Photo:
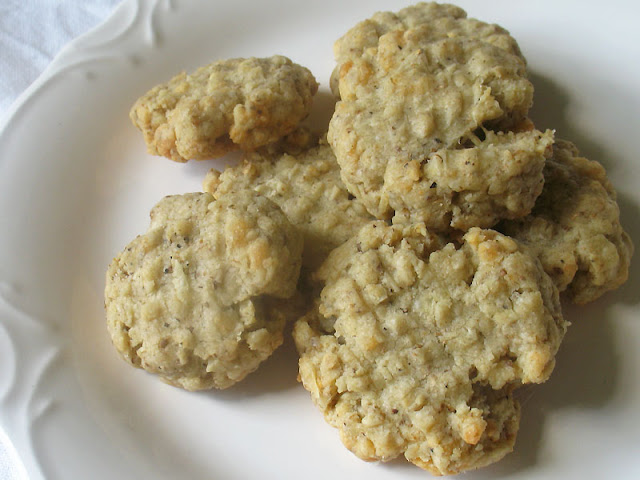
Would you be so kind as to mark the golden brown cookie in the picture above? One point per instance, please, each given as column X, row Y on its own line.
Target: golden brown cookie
column 416, row 344
column 230, row 104
column 308, row 189
column 432, row 126
column 575, row 229
column 444, row 21
column 195, row 299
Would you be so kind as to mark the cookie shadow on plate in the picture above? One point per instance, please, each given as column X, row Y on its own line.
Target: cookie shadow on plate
column 324, row 104
column 550, row 110
column 629, row 213
column 198, row 169
column 586, row 377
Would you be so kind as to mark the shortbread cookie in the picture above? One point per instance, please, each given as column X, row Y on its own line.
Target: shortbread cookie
column 410, row 107
column 575, row 227
column 195, row 299
column 308, row 189
column 498, row 177
column 298, row 141
column 416, row 346
column 229, row 104
column 443, row 20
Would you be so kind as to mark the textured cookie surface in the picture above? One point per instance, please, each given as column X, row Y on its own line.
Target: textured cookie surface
column 444, row 21
column 575, row 227
column 417, row 96
column 229, row 104
column 497, row 177
column 308, row 189
column 195, row 299
column 415, row 346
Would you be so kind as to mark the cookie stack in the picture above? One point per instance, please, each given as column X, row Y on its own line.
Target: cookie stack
column 421, row 245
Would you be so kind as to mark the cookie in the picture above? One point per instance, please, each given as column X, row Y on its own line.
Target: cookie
column 197, row 298
column 498, row 176
column 308, row 189
column 417, row 98
column 224, row 106
column 575, row 229
column 444, row 21
column 416, row 344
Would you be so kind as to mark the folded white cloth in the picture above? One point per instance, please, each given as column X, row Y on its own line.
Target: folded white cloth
column 32, row 32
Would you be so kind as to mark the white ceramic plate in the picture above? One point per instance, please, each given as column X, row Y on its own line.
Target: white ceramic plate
column 76, row 185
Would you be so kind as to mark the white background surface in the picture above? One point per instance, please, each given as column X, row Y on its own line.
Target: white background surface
column 32, row 32
column 99, row 184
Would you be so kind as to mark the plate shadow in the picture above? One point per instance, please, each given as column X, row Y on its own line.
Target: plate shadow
column 585, row 377
column 550, row 106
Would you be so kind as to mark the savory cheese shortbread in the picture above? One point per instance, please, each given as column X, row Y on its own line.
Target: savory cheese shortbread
column 195, row 299
column 308, row 189
column 432, row 126
column 575, row 228
column 416, row 344
column 230, row 104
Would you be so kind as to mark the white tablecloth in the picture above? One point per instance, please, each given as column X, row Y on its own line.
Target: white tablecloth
column 32, row 32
